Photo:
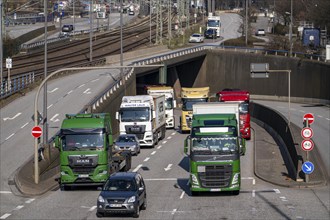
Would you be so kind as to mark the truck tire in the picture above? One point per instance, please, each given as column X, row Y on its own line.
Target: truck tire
column 163, row 132
column 236, row 192
column 128, row 161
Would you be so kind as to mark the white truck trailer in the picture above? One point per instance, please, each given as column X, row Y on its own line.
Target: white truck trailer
column 144, row 116
column 170, row 102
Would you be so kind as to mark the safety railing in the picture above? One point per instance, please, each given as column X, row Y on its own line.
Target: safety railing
column 16, row 84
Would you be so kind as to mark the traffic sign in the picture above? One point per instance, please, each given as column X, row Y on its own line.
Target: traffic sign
column 307, row 133
column 307, row 145
column 36, row 131
column 9, row 63
column 307, row 167
column 309, row 117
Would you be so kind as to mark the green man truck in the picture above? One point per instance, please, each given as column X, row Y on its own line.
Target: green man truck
column 214, row 147
column 86, row 155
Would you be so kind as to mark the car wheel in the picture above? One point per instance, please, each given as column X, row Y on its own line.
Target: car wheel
column 137, row 212
column 144, row 205
column 99, row 214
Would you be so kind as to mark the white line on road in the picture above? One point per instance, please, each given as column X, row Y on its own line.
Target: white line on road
column 164, row 142
column 328, row 119
column 70, row 92
column 168, row 167
column 169, row 137
column 320, row 116
column 25, row 125
column 49, row 106
column 8, row 118
column 87, row 91
column 95, row 80
column 159, row 146
column 283, row 199
column 302, row 111
column 9, row 136
column 29, row 201
column 18, row 207
column 145, row 160
column 91, row 209
column 250, row 178
column 52, row 90
column 81, row 85
column 152, row 153
column 138, row 167
column 173, row 212
column 277, row 191
column 5, row 216
column 53, row 118
column 182, row 194
column 5, row 192
column 253, row 193
column 173, row 133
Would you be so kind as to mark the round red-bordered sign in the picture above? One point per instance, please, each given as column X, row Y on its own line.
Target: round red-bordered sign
column 36, row 131
column 309, row 117
column 307, row 145
column 307, row 133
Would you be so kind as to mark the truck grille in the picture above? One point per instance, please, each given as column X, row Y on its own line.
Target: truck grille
column 83, row 170
column 216, row 176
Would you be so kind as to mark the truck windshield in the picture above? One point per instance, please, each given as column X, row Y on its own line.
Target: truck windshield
column 244, row 108
column 188, row 103
column 213, row 23
column 214, row 145
column 134, row 114
column 82, row 141
column 169, row 104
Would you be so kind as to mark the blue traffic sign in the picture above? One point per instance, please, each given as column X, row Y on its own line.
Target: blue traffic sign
column 307, row 167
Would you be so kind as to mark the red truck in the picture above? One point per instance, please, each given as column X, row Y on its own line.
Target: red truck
column 242, row 96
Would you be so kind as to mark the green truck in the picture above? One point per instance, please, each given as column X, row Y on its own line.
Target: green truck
column 86, row 153
column 214, row 147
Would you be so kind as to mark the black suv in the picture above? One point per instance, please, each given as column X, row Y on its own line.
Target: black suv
column 210, row 33
column 124, row 192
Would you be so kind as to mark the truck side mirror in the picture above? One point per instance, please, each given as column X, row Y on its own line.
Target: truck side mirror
column 242, row 147
column 174, row 103
column 153, row 114
column 186, row 145
column 110, row 140
column 117, row 115
column 57, row 142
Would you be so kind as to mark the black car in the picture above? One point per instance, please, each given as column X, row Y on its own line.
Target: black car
column 210, row 33
column 124, row 192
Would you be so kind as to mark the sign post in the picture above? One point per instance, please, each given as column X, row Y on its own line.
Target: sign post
column 9, row 65
column 307, row 144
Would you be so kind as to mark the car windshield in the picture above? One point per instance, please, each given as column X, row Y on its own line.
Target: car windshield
column 195, row 35
column 125, row 139
column 120, row 185
column 188, row 103
column 82, row 141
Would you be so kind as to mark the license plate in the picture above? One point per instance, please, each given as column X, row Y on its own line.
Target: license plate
column 83, row 175
column 215, row 190
column 115, row 205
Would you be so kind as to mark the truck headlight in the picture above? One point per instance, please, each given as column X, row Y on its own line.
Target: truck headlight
column 235, row 178
column 131, row 200
column 194, row 180
column 100, row 199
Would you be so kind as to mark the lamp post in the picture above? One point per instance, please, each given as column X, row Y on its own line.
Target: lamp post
column 45, row 123
column 246, row 22
column 291, row 18
column 91, row 31
column 1, row 46
column 121, row 40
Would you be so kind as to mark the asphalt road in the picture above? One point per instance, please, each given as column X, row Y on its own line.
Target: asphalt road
column 168, row 194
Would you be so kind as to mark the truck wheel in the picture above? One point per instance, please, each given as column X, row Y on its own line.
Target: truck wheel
column 163, row 133
column 64, row 187
column 194, row 193
column 128, row 162
column 236, row 192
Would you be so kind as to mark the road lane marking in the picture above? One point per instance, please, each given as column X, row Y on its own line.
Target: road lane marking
column 283, row 199
column 52, row 90
column 328, row 119
column 53, row 118
column 302, row 111
column 11, row 118
column 5, row 192
column 173, row 133
column 169, row 137
column 250, row 178
column 174, row 211
column 29, row 201
column 168, row 167
column 153, row 153
column 253, row 193
column 18, row 207
column 91, row 209
column 277, row 191
column 95, row 80
column 159, row 146
column 10, row 136
column 49, row 106
column 87, row 91
column 81, row 85
column 145, row 160
column 164, row 142
column 70, row 92
column 320, row 116
column 138, row 167
column 182, row 194
column 5, row 216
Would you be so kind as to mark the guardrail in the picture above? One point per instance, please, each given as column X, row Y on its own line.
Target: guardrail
column 16, row 84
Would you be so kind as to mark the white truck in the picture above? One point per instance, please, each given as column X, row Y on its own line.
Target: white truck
column 144, row 116
column 170, row 102
column 214, row 22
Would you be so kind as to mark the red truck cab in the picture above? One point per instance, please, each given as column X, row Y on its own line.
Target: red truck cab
column 242, row 96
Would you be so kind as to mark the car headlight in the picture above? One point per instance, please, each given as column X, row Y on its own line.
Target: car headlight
column 235, row 178
column 132, row 199
column 100, row 199
column 116, row 147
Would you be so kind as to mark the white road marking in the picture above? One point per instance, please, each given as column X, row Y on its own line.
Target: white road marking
column 11, row 118
column 173, row 133
column 152, row 153
column 164, row 142
column 10, row 136
column 302, row 111
column 49, row 106
column 277, row 191
column 81, row 85
column 169, row 137
column 328, row 119
column 18, row 207
column 87, row 91
column 320, row 116
column 52, row 90
column 138, row 167
column 173, row 212
column 253, row 193
column 29, row 201
column 5, row 192
column 145, row 160
column 182, row 194
column 168, row 167
column 95, row 80
column 162, row 179
column 250, row 178
column 53, row 118
column 5, row 216
column 70, row 92
column 159, row 146
column 91, row 209
column 283, row 199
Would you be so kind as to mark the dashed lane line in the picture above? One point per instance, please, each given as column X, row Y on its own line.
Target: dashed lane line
column 5, row 216
column 138, row 167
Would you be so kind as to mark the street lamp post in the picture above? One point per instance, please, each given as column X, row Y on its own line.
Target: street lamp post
column 1, row 46
column 91, row 31
column 291, row 18
column 121, row 40
column 45, row 123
